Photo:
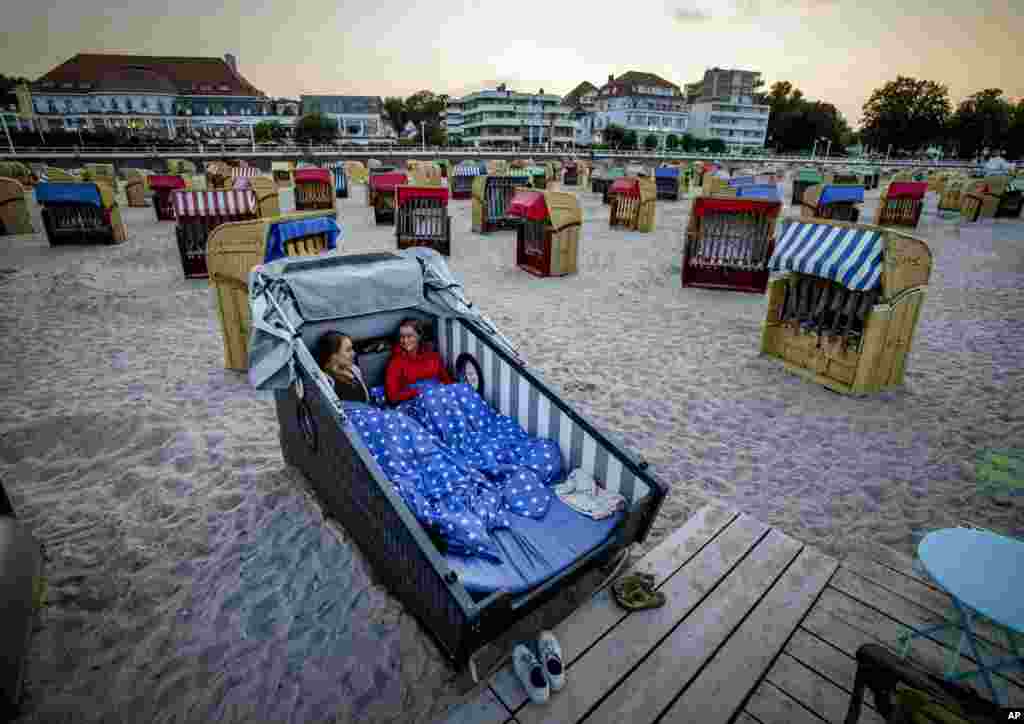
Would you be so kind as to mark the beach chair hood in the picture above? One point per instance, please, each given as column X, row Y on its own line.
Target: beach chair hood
column 387, row 181
column 906, row 190
column 313, row 175
column 288, row 293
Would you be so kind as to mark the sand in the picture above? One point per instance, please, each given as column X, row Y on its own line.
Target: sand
column 192, row 578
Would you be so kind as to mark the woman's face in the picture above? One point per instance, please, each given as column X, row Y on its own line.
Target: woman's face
column 343, row 358
column 408, row 338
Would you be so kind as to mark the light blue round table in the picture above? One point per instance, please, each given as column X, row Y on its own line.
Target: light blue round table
column 984, row 574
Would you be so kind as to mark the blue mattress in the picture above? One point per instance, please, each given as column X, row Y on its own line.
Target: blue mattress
column 65, row 192
column 834, row 194
column 563, row 536
column 281, row 234
column 758, row 191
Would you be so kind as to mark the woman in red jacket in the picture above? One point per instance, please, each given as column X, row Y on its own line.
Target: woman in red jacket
column 412, row 361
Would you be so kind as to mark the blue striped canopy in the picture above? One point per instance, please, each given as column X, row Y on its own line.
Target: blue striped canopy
column 467, row 171
column 850, row 256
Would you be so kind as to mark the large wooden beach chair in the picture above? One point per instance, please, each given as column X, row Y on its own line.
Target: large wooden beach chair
column 632, row 202
column 461, row 180
column 668, row 183
column 14, row 215
column 314, row 189
column 135, row 187
column 164, row 186
column 537, row 175
column 282, row 173
column 823, row 201
column 571, row 174
column 492, row 196
column 83, row 212
column 901, row 204
column 234, row 248
column 421, row 218
column 471, row 607
column 803, row 179
column 340, row 179
column 356, row 172
column 949, row 199
column 729, row 241
column 198, row 213
column 610, row 176
column 846, row 312
column 380, row 194
column 18, row 171
column 548, row 235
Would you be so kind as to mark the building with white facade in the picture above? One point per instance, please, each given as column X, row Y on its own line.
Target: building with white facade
column 641, row 102
column 722, row 106
column 451, row 119
column 359, row 118
column 504, row 118
column 160, row 96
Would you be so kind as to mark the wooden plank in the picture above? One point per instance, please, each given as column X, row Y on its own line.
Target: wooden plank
column 613, row 657
column 856, row 623
column 815, row 691
column 771, row 705
column 910, row 612
column 654, row 682
column 718, row 692
column 888, row 557
column 835, row 665
column 934, row 600
column 600, row 614
column 482, row 708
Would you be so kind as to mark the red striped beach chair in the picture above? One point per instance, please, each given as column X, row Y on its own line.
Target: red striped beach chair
column 200, row 212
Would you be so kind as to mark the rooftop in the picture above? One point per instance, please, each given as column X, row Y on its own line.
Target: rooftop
column 102, row 72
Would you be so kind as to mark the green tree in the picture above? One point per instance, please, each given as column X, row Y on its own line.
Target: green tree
column 629, row 140
column 269, row 131
column 715, row 145
column 651, row 142
column 906, row 113
column 8, row 86
column 316, row 128
column 394, row 113
column 687, row 143
column 671, row 142
column 982, row 120
column 1015, row 136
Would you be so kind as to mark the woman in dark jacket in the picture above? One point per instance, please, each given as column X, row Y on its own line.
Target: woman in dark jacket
column 336, row 356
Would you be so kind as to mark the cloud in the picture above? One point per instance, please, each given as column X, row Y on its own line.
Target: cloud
column 689, row 15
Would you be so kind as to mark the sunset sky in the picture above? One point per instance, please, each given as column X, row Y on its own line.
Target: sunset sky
column 832, row 50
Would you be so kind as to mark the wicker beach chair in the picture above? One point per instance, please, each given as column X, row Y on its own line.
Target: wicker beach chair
column 18, row 171
column 136, row 185
column 198, row 213
column 832, row 202
column 901, row 204
column 729, row 241
column 83, row 212
column 314, row 189
column 633, row 203
column 421, row 218
column 803, row 180
column 491, row 198
column 846, row 312
column 234, row 248
column 380, row 195
column 14, row 215
column 461, row 180
column 282, row 173
column 163, row 188
column 668, row 181
column 548, row 235
column 571, row 174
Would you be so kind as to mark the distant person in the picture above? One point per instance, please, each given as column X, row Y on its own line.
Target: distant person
column 412, row 361
column 336, row 356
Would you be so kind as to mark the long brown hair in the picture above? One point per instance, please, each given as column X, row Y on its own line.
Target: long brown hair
column 328, row 344
column 421, row 329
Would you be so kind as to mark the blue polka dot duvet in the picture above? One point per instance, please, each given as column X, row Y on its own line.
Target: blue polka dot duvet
column 462, row 468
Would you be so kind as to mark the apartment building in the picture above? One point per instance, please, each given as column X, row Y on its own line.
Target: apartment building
column 451, row 119
column 359, row 118
column 504, row 118
column 722, row 106
column 642, row 102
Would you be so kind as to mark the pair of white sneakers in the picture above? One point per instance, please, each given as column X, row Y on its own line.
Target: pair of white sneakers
column 542, row 672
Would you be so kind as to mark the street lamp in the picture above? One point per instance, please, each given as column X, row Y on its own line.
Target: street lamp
column 423, row 136
column 814, row 148
column 828, row 147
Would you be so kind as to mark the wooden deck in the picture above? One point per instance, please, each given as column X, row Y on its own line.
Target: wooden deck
column 758, row 629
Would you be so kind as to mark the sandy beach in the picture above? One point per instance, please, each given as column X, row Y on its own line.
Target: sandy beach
column 191, row 576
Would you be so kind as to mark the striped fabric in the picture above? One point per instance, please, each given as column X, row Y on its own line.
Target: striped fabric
column 245, row 172
column 510, row 393
column 467, row 171
column 214, row 203
column 847, row 255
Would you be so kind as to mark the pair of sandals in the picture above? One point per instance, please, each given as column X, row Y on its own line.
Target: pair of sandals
column 635, row 592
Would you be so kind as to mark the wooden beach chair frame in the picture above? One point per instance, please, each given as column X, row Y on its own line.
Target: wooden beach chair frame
column 549, row 246
column 67, row 222
column 198, row 214
column 14, row 214
column 633, row 209
column 421, row 218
